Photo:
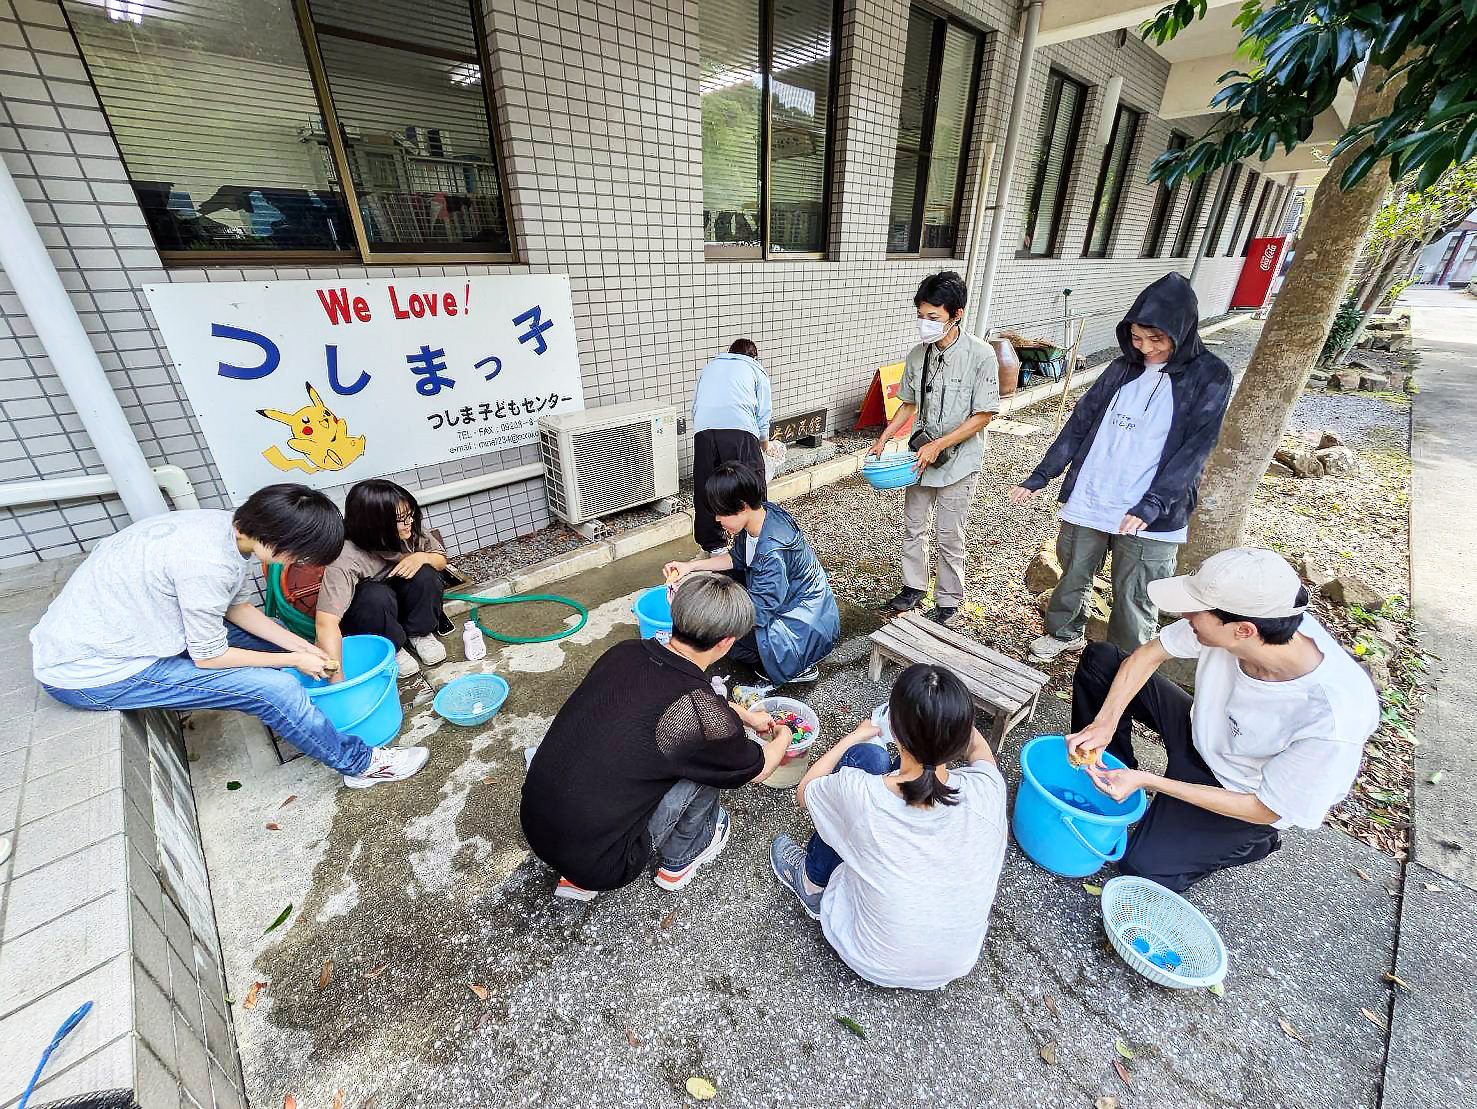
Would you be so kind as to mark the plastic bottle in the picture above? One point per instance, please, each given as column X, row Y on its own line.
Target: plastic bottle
column 472, row 641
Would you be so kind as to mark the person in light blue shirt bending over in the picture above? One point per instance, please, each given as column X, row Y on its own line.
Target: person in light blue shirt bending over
column 730, row 423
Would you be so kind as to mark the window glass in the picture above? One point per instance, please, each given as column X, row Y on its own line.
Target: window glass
column 1163, row 205
column 214, row 111
column 419, row 149
column 951, row 121
column 1242, row 209
column 1105, row 203
column 912, row 116
column 730, row 79
column 1191, row 217
column 799, row 108
column 1061, row 121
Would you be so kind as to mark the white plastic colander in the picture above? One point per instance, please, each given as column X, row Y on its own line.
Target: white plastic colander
column 1167, row 927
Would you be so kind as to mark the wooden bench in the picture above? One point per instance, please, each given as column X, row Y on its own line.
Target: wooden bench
column 1005, row 690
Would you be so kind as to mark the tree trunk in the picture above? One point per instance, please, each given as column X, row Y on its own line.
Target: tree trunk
column 1395, row 268
column 1291, row 339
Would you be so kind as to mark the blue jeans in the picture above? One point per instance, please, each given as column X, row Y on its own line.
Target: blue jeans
column 682, row 825
column 820, row 859
column 278, row 699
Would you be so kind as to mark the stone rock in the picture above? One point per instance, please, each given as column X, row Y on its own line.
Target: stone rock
column 1346, row 589
column 1387, row 632
column 1336, row 461
column 1329, row 439
column 1344, row 381
column 1374, row 383
column 1301, row 460
column 1317, row 380
column 1097, row 617
column 1312, row 573
column 1400, row 383
column 1378, row 669
column 1044, row 571
column 1277, row 469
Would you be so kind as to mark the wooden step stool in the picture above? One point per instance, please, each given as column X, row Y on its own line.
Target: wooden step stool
column 1005, row 690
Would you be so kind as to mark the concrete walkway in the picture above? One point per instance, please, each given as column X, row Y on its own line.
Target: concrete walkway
column 1435, row 1025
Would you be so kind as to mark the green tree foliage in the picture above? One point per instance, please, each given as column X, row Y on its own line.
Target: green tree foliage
column 1300, row 52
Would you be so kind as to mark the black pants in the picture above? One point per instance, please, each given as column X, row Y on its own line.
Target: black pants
column 1176, row 844
column 710, row 449
column 396, row 608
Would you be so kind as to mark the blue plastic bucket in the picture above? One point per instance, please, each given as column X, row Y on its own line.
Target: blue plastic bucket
column 360, row 700
column 654, row 613
column 1061, row 821
column 382, row 723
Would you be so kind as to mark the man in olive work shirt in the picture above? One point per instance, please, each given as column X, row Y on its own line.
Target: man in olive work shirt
column 952, row 382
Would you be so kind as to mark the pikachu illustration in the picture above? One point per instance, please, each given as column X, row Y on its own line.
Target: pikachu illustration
column 318, row 435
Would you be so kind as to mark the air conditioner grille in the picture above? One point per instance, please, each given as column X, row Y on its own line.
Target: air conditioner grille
column 614, row 467
column 549, row 451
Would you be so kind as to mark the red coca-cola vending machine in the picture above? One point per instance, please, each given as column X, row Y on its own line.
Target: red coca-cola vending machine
column 1262, row 258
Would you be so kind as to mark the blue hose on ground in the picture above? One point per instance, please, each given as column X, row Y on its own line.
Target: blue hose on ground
column 61, row 1034
column 584, row 615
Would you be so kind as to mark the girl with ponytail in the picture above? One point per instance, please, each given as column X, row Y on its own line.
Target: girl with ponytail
column 906, row 856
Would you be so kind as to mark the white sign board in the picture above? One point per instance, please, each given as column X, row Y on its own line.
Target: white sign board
column 331, row 382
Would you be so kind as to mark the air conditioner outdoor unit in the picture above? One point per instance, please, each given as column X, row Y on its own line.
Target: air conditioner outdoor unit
column 605, row 460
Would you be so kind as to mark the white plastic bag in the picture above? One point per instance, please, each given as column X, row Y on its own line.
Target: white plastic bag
column 774, row 457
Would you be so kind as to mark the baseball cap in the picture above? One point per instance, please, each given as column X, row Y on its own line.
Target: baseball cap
column 1246, row 581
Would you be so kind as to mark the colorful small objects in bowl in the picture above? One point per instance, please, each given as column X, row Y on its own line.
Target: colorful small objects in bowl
column 800, row 731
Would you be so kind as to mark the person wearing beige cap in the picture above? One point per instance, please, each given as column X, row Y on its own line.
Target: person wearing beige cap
column 1273, row 738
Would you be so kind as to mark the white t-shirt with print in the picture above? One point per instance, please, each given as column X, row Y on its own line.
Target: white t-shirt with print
column 910, row 902
column 1296, row 745
column 1124, row 456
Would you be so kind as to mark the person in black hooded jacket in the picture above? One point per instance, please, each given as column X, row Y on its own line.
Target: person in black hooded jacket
column 1133, row 451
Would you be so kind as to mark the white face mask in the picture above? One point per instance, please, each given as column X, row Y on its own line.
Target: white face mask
column 931, row 331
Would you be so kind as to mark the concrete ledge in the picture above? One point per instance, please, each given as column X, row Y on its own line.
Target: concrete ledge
column 104, row 898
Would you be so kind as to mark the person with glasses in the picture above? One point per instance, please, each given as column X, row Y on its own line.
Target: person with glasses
column 387, row 581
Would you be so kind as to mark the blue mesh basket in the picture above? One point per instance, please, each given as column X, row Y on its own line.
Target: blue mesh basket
column 472, row 700
column 1161, row 935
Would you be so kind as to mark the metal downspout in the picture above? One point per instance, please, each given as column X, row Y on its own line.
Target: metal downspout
column 1007, row 165
column 24, row 257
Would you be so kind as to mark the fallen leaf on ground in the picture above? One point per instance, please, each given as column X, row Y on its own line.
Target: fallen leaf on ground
column 1088, row 887
column 273, row 828
column 1105, row 1102
column 1122, row 1073
column 701, row 1089
column 851, row 1026
column 338, row 1100
column 480, row 991
column 377, row 971
column 1401, row 982
column 1432, row 887
column 1050, row 1003
column 233, row 785
column 489, row 781
column 1291, row 1032
column 1048, row 1052
column 1376, row 1020
column 1363, row 875
column 1436, row 777
column 1219, row 989
column 253, row 995
column 283, row 915
column 1063, row 695
column 289, row 801
column 486, row 1018
column 631, row 1038
column 1122, row 1049
column 669, row 918
column 289, row 1102
column 326, row 974
column 193, row 756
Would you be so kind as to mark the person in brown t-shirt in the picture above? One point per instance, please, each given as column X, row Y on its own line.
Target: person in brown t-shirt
column 387, row 581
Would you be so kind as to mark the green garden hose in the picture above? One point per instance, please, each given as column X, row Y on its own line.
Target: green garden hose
column 517, row 640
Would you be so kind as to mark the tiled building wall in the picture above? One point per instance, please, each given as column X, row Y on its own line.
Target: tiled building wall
column 600, row 121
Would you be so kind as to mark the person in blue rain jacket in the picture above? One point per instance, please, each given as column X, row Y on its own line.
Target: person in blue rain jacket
column 796, row 620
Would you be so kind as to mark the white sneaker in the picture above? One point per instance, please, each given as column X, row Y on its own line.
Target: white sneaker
column 674, row 880
column 389, row 764
column 1048, row 647
column 428, row 648
column 407, row 664
column 809, row 676
column 568, row 891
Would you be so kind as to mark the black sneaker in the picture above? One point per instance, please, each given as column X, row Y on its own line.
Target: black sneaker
column 906, row 600
column 948, row 617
